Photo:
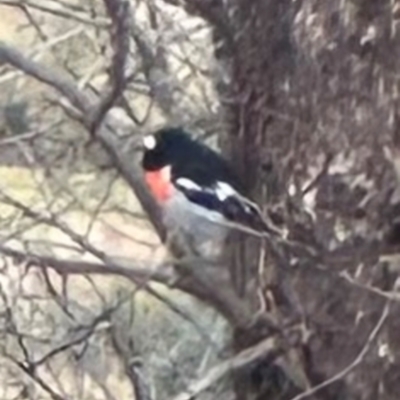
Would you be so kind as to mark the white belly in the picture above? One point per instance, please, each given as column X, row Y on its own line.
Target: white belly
column 204, row 229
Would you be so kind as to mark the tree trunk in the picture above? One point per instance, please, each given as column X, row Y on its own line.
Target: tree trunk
column 310, row 104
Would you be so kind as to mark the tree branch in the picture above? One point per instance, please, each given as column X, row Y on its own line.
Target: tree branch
column 268, row 348
column 86, row 106
column 357, row 361
column 161, row 273
column 61, row 12
column 119, row 12
column 62, row 84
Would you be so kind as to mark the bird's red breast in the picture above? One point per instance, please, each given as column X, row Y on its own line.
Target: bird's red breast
column 159, row 183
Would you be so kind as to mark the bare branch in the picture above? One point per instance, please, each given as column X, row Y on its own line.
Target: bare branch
column 268, row 348
column 88, row 330
column 31, row 373
column 357, row 361
column 208, row 284
column 26, row 366
column 44, row 74
column 133, row 365
column 211, row 11
column 388, row 295
column 107, row 139
column 119, row 12
column 142, row 388
column 135, row 273
column 178, row 310
column 61, row 12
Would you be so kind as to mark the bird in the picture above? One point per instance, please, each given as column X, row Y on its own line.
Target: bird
column 198, row 191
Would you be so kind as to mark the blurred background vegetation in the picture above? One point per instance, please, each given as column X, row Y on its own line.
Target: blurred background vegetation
column 48, row 163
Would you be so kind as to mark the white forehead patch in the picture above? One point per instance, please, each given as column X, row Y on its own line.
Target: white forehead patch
column 149, row 142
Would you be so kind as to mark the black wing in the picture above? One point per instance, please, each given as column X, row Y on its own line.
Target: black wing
column 222, row 198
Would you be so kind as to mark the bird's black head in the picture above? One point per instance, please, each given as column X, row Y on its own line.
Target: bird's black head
column 187, row 157
column 164, row 147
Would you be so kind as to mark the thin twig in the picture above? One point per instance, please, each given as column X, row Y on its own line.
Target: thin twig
column 119, row 12
column 134, row 271
column 106, row 137
column 268, row 348
column 392, row 295
column 319, row 176
column 59, row 12
column 357, row 361
column 133, row 365
column 31, row 373
column 44, row 74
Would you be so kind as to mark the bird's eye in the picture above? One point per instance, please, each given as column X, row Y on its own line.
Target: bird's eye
column 149, row 142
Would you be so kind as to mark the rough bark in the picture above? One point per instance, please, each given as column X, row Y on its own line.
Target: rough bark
column 311, row 107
